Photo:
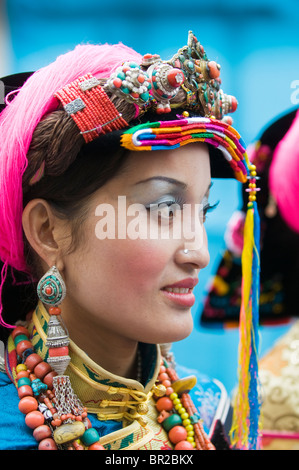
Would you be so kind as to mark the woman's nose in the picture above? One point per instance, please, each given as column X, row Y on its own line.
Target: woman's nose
column 194, row 243
column 198, row 256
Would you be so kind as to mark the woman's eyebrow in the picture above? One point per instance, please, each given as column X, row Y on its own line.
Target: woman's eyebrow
column 172, row 181
column 165, row 179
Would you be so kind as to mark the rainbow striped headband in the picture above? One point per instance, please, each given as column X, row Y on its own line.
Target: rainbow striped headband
column 167, row 135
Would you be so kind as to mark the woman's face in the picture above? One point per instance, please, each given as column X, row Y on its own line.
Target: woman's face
column 119, row 278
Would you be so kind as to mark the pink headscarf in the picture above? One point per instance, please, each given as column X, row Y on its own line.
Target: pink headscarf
column 17, row 124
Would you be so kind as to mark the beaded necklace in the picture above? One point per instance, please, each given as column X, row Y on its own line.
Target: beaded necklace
column 178, row 414
column 55, row 430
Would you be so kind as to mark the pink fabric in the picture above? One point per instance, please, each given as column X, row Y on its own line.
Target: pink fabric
column 284, row 176
column 18, row 121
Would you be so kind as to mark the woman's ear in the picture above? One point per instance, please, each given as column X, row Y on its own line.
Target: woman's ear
column 42, row 230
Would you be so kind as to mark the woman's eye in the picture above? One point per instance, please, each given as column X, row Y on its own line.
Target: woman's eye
column 166, row 209
column 169, row 209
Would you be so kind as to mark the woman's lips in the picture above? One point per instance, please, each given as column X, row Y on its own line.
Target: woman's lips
column 181, row 292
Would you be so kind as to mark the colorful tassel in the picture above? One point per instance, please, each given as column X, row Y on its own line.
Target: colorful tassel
column 245, row 426
column 254, row 403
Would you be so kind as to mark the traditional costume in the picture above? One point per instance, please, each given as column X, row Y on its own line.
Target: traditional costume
column 65, row 400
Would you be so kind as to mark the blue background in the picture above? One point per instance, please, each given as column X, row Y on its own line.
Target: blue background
column 257, row 45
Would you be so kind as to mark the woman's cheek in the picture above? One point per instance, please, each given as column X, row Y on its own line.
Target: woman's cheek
column 143, row 261
column 130, row 262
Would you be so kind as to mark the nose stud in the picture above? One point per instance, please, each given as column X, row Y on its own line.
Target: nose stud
column 186, row 251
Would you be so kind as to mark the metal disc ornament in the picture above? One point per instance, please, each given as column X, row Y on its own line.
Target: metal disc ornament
column 51, row 288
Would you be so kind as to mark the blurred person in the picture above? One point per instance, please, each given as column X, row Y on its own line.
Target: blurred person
column 279, row 239
column 276, row 157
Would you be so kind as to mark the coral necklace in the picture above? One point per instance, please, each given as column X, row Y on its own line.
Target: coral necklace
column 178, row 414
column 57, row 428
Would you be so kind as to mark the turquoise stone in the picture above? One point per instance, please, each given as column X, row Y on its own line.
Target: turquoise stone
column 125, row 90
column 24, row 381
column 144, row 96
column 121, row 75
column 171, row 421
column 20, row 338
column 91, row 436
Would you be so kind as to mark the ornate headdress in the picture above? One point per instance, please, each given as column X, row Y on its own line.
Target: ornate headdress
column 149, row 104
column 156, row 83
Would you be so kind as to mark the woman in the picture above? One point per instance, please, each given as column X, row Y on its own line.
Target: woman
column 77, row 165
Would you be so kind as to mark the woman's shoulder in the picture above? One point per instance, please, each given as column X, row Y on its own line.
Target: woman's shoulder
column 14, row 434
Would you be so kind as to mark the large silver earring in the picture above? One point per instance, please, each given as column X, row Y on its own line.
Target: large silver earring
column 51, row 291
column 51, row 288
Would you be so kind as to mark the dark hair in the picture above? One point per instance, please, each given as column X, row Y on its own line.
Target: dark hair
column 71, row 177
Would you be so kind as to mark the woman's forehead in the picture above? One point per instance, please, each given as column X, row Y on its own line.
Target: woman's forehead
column 190, row 158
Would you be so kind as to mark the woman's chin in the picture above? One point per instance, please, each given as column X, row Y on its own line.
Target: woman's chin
column 173, row 335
